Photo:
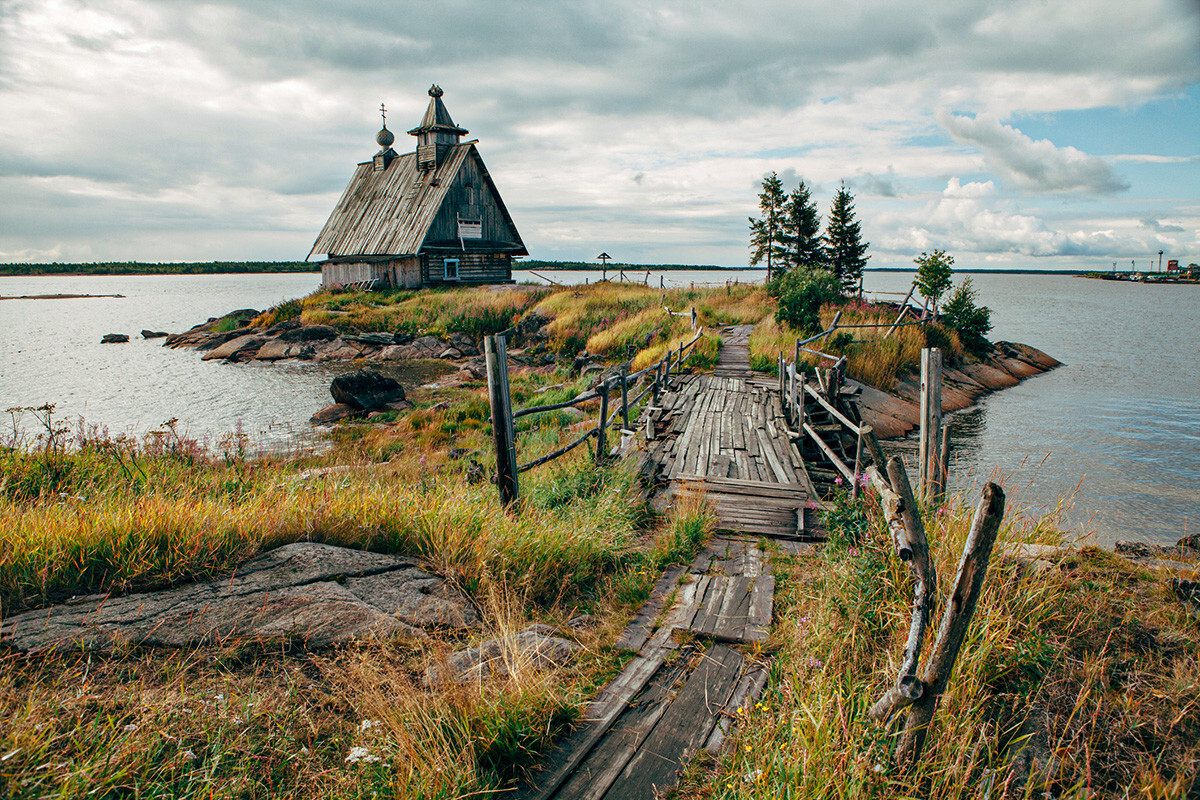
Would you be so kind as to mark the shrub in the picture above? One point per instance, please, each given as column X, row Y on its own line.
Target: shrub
column 972, row 322
column 801, row 293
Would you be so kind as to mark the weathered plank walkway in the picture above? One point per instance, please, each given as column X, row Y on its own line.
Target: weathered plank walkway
column 672, row 698
column 723, row 436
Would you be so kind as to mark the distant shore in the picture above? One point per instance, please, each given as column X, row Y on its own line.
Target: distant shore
column 269, row 267
column 156, row 268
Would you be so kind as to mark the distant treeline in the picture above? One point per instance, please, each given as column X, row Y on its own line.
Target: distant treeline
column 158, row 268
column 534, row 264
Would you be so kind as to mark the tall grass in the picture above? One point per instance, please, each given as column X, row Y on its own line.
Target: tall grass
column 471, row 310
column 1060, row 660
column 871, row 358
column 263, row 719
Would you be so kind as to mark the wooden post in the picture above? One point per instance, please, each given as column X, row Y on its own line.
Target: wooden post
column 801, row 417
column 797, row 397
column 601, row 449
column 693, row 318
column 873, row 447
column 779, row 366
column 941, row 466
column 797, row 354
column 657, row 384
column 625, row 397
column 972, row 569
column 496, row 357
column 858, row 454
column 931, row 419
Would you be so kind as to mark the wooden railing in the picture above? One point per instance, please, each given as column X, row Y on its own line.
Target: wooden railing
column 500, row 400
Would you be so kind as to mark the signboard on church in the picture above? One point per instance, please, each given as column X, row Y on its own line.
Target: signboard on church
column 470, row 229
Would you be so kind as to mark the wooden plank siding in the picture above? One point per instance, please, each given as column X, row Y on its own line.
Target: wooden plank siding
column 472, row 267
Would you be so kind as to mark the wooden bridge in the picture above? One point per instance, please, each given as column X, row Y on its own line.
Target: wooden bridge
column 748, row 442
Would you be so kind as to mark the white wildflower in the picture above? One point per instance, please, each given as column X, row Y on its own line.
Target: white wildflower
column 130, row 728
column 360, row 754
column 877, row 768
column 751, row 777
column 188, row 755
column 367, row 724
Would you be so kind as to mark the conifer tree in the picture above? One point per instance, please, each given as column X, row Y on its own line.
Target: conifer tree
column 766, row 233
column 802, row 229
column 845, row 250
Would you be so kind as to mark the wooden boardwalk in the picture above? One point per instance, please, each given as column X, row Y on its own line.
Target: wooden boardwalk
column 672, row 698
column 723, row 436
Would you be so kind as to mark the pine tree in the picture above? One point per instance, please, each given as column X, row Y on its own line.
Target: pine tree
column 845, row 250
column 766, row 234
column 802, row 229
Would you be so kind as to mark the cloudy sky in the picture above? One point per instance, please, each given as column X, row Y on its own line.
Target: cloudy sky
column 1027, row 133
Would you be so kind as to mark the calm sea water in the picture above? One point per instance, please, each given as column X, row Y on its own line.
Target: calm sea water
column 1117, row 428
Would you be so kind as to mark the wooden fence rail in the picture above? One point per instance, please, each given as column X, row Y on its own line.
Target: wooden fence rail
column 500, row 401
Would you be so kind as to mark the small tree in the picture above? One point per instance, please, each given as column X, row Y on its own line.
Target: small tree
column 801, row 293
column 933, row 275
column 766, row 234
column 802, row 229
column 845, row 250
column 971, row 321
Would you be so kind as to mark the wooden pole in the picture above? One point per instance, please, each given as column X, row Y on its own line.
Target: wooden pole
column 903, row 311
column 858, row 454
column 931, row 419
column 797, row 396
column 693, row 318
column 943, row 466
column 908, row 537
column 500, row 400
column 625, row 397
column 873, row 447
column 801, row 416
column 601, row 450
column 657, row 384
column 972, row 569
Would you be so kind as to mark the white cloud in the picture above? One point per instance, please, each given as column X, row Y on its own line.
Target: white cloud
column 135, row 129
column 1038, row 166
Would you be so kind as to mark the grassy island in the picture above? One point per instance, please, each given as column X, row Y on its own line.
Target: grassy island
column 1090, row 660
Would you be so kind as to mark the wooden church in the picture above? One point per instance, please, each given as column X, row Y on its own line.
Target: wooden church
column 429, row 216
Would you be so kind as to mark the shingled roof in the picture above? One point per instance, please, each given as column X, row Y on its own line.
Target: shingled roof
column 389, row 211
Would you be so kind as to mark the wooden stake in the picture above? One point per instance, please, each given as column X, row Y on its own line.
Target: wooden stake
column 972, row 569
column 625, row 397
column 601, row 450
column 931, row 419
column 873, row 447
column 500, row 400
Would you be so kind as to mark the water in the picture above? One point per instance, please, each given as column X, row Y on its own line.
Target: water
column 1120, row 423
column 50, row 352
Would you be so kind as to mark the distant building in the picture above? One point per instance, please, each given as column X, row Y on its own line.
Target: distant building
column 429, row 216
column 1173, row 265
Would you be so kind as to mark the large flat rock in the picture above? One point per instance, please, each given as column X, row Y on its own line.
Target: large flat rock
column 316, row 593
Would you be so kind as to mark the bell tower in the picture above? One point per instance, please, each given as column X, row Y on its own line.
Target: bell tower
column 437, row 132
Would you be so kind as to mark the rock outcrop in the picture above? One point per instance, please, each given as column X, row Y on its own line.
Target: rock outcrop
column 228, row 338
column 115, row 338
column 316, row 594
column 893, row 415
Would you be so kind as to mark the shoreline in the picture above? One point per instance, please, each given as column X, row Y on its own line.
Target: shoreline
column 895, row 414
